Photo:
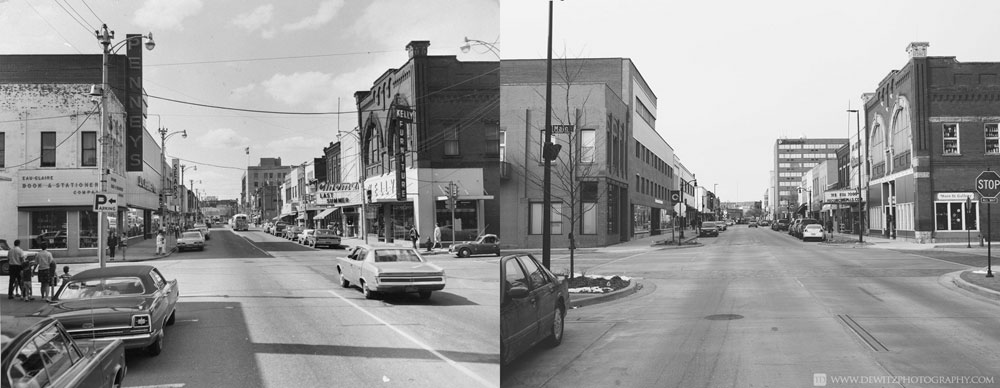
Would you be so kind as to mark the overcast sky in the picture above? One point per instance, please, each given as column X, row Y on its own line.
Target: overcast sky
column 352, row 43
column 730, row 76
column 733, row 76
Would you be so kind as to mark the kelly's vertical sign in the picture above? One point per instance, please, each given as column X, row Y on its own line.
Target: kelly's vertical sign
column 135, row 105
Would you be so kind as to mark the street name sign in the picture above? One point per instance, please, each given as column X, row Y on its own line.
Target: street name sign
column 562, row 129
column 988, row 200
column 988, row 184
column 105, row 203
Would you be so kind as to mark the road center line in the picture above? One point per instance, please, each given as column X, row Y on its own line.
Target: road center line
column 449, row 361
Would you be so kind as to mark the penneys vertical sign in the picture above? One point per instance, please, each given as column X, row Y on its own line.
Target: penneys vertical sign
column 135, row 104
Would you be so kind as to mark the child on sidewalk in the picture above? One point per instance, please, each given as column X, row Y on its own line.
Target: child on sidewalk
column 26, row 270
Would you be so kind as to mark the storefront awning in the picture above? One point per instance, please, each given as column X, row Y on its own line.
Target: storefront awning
column 802, row 208
column 834, row 206
column 325, row 213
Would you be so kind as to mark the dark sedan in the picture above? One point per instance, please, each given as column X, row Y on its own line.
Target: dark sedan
column 486, row 244
column 708, row 228
column 37, row 352
column 533, row 305
column 133, row 303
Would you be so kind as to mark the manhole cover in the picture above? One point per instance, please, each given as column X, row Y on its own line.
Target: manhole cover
column 723, row 317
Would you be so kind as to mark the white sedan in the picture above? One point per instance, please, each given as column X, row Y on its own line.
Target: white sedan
column 814, row 231
column 389, row 270
column 191, row 239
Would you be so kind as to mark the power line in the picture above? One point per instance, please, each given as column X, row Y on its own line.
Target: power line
column 87, row 117
column 85, row 28
column 75, row 12
column 38, row 118
column 92, row 11
column 53, row 28
column 247, row 110
column 272, row 58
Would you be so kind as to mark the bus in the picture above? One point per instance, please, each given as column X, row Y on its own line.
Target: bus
column 240, row 222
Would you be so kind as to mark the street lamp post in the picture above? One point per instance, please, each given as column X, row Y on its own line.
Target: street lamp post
column 547, row 176
column 163, row 171
column 475, row 42
column 861, row 214
column 104, row 37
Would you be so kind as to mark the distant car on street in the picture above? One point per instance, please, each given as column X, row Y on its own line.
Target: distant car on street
column 323, row 237
column 292, row 232
column 752, row 224
column 38, row 352
column 133, row 303
column 204, row 230
column 389, row 270
column 533, row 306
column 191, row 239
column 813, row 231
column 485, row 244
column 708, row 229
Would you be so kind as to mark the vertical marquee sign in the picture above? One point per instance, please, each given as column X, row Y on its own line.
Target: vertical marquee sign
column 135, row 108
column 401, row 115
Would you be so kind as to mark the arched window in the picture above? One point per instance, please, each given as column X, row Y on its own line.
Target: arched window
column 899, row 139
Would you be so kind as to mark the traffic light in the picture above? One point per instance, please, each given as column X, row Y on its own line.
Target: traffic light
column 551, row 151
column 369, row 194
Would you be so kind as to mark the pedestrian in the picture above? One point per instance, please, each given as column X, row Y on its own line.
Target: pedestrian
column 27, row 267
column 437, row 235
column 65, row 276
column 414, row 235
column 15, row 258
column 45, row 274
column 112, row 243
column 161, row 243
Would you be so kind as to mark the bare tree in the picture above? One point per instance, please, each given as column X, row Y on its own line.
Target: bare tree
column 569, row 173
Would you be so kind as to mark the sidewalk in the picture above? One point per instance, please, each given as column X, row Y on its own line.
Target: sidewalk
column 138, row 250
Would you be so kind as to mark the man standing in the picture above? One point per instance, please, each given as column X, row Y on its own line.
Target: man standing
column 45, row 274
column 437, row 235
column 15, row 258
column 112, row 243
column 414, row 235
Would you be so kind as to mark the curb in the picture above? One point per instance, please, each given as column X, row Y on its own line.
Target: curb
column 632, row 288
column 978, row 290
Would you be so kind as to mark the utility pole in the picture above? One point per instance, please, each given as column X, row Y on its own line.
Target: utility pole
column 547, row 180
column 452, row 203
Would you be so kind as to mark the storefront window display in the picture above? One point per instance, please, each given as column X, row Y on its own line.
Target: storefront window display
column 48, row 227
column 466, row 220
column 640, row 219
column 402, row 216
column 666, row 221
column 88, row 229
column 950, row 216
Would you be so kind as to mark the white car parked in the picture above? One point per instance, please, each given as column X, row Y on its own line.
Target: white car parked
column 814, row 231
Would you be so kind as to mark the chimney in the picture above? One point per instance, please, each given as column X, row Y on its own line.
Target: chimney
column 418, row 48
column 917, row 49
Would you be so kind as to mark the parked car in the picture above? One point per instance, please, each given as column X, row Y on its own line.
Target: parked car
column 485, row 244
column 303, row 234
column 292, row 232
column 813, row 231
column 56, row 239
column 323, row 237
column 4, row 267
column 764, row 223
column 389, row 270
column 204, row 230
column 533, row 305
column 133, row 303
column 802, row 223
column 781, row 224
column 38, row 352
column 708, row 228
column 752, row 224
column 191, row 239
column 278, row 229
column 793, row 225
column 721, row 225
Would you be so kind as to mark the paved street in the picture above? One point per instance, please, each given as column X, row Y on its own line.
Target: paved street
column 274, row 311
column 755, row 307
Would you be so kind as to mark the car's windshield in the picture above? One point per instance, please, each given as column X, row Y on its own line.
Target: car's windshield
column 100, row 288
column 191, row 235
column 708, row 224
column 391, row 255
column 3, row 245
column 324, row 232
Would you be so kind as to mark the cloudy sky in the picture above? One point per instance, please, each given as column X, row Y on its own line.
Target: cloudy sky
column 732, row 76
column 224, row 53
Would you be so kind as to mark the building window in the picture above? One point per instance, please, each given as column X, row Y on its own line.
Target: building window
column 589, row 210
column 503, row 145
column 643, row 112
column 640, row 219
column 88, row 152
column 951, row 139
column 955, row 216
column 536, row 217
column 88, row 229
column 256, row 184
column 992, row 139
column 451, row 143
column 48, row 149
column 3, row 149
column 588, row 140
column 48, row 227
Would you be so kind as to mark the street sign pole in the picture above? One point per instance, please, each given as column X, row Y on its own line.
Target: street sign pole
column 968, row 234
column 988, row 186
column 989, row 242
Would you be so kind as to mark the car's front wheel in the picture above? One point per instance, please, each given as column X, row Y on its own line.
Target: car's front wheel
column 155, row 348
column 556, row 334
column 344, row 282
column 464, row 252
column 172, row 319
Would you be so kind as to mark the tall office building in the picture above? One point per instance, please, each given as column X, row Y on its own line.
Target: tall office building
column 792, row 159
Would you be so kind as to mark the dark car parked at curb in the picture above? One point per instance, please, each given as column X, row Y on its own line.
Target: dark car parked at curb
column 708, row 228
column 134, row 303
column 38, row 352
column 533, row 305
column 488, row 244
column 780, row 225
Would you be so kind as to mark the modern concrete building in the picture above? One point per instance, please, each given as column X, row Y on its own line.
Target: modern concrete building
column 792, row 159
column 265, row 179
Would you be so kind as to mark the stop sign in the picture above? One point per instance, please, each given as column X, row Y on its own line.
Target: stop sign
column 988, row 184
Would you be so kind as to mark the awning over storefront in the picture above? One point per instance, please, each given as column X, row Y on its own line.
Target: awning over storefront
column 325, row 213
column 835, row 206
column 802, row 208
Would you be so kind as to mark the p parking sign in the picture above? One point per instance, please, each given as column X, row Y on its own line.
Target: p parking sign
column 105, row 203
